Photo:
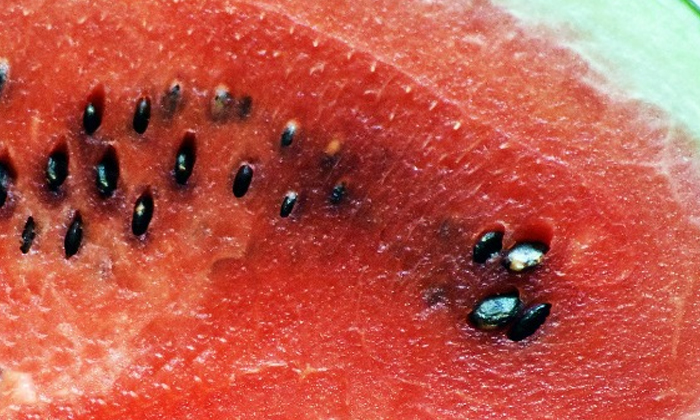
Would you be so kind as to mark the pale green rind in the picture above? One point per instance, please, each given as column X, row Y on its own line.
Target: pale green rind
column 694, row 5
column 650, row 49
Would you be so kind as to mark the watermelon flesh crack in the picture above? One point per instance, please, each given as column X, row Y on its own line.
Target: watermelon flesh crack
column 443, row 121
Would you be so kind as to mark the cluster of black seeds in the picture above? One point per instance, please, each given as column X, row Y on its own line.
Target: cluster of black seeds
column 493, row 312
column 507, row 309
column 223, row 105
column 522, row 256
column 500, row 310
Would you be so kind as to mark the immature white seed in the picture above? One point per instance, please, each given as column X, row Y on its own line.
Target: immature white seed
column 524, row 256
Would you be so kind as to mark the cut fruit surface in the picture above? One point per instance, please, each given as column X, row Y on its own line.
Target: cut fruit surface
column 194, row 289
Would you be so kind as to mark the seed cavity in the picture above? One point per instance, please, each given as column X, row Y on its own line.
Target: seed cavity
column 529, row 322
column 242, row 181
column 496, row 311
column 28, row 235
column 107, row 173
column 222, row 103
column 288, row 204
column 143, row 213
column 525, row 256
column 288, row 134
column 94, row 109
column 142, row 114
column 338, row 193
column 245, row 106
column 185, row 158
column 172, row 99
column 487, row 247
column 74, row 236
column 56, row 169
column 4, row 73
column 6, row 175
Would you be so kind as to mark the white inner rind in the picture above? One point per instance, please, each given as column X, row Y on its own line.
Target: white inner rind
column 648, row 49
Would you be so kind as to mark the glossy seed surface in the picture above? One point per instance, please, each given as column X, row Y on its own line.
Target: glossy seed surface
column 92, row 118
column 4, row 73
column 487, row 247
column 338, row 193
column 529, row 322
column 107, row 174
column 495, row 311
column 525, row 256
column 74, row 236
column 56, row 170
column 242, row 181
column 143, row 213
column 28, row 235
column 288, row 204
column 287, row 137
column 5, row 181
column 142, row 114
column 185, row 159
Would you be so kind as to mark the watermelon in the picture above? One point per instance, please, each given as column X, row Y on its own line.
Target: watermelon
column 288, row 209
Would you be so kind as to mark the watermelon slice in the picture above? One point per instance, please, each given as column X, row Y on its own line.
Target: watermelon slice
column 269, row 210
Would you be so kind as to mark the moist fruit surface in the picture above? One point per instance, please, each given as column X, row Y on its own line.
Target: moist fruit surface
column 264, row 216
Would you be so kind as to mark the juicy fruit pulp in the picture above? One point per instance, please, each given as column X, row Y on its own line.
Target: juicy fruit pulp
column 354, row 306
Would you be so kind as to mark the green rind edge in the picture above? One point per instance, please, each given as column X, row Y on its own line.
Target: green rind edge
column 693, row 5
column 648, row 49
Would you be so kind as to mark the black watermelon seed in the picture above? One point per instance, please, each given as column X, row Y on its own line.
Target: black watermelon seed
column 338, row 193
column 143, row 213
column 288, row 204
column 172, row 98
column 107, row 174
column 488, row 246
column 28, row 235
column 56, row 169
column 529, row 322
column 221, row 104
column 74, row 236
column 91, row 119
column 241, row 183
column 185, row 159
column 92, row 115
column 495, row 311
column 287, row 136
column 245, row 106
column 5, row 181
column 142, row 114
column 525, row 256
column 4, row 73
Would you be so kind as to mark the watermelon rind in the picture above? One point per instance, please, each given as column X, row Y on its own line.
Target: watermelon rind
column 646, row 49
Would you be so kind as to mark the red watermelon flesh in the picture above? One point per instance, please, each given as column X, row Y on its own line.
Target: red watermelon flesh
column 448, row 121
